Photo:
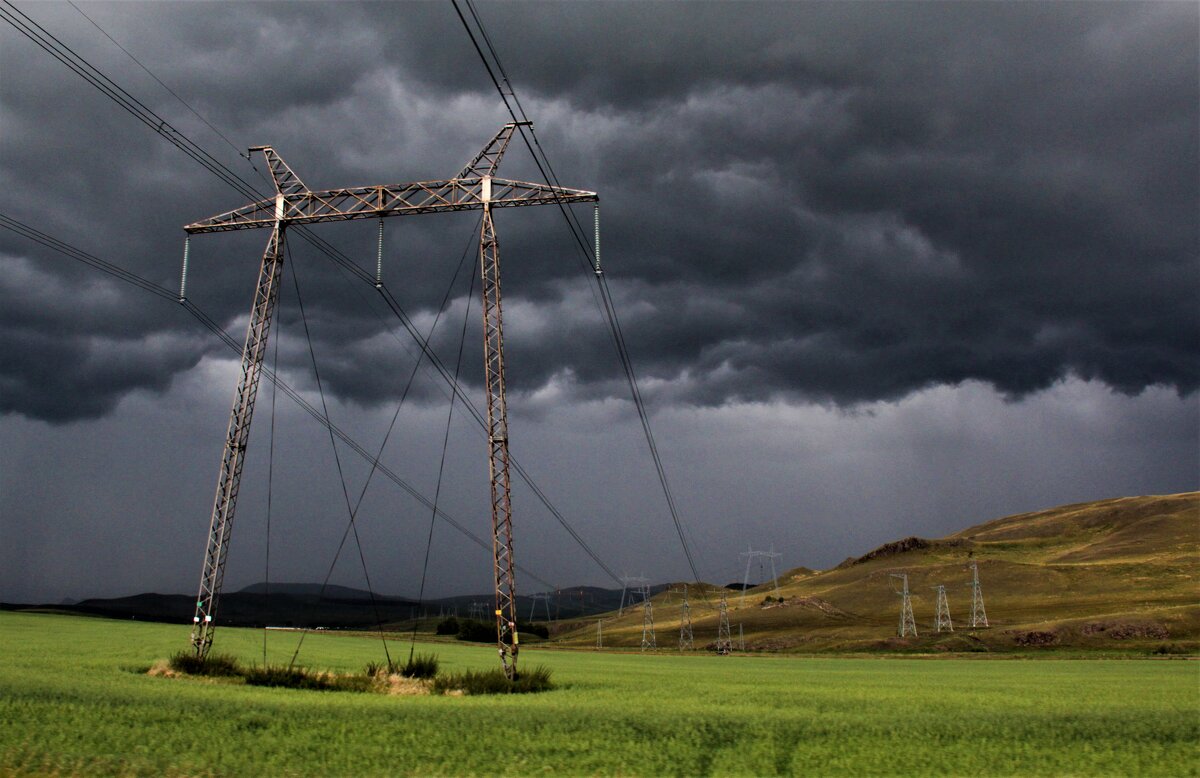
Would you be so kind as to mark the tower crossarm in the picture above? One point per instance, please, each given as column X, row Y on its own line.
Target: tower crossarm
column 364, row 202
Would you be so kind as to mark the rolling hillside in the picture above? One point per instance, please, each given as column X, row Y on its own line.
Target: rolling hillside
column 1114, row 574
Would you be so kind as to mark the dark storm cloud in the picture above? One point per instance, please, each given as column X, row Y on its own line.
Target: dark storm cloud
column 842, row 202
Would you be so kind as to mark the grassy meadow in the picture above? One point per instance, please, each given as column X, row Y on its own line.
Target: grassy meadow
column 75, row 699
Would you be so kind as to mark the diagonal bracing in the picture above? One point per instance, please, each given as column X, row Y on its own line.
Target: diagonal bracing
column 294, row 204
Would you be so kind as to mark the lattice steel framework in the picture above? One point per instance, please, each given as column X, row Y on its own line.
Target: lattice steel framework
column 943, row 610
column 534, row 598
column 751, row 555
column 978, row 612
column 724, row 641
column 686, row 641
column 475, row 188
column 908, row 624
column 649, row 639
column 640, row 584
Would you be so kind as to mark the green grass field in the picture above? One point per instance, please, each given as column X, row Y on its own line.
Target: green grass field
column 74, row 699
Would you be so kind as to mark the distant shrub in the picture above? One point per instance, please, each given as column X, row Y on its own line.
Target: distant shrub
column 420, row 666
column 541, row 630
column 530, row 681
column 485, row 631
column 448, row 626
column 476, row 631
column 212, row 665
column 1170, row 649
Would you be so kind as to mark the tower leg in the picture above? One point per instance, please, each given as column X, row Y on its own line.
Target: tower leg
column 493, row 362
column 232, row 461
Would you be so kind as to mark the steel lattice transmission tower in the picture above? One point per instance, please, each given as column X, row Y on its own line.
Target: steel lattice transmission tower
column 640, row 587
column 475, row 188
column 545, row 598
column 907, row 622
column 599, row 634
column 686, row 641
column 751, row 555
column 724, row 642
column 943, row 610
column 978, row 613
column 649, row 640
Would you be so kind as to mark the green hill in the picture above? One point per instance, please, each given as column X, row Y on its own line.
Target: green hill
column 1116, row 574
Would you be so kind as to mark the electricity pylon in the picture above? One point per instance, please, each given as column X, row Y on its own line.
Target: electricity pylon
column 907, row 622
column 648, row 638
column 475, row 188
column 640, row 582
column 724, row 643
column 545, row 598
column 686, row 642
column 751, row 555
column 943, row 610
column 978, row 614
column 599, row 634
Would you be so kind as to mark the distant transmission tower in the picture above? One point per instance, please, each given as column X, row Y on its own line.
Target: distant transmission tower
column 599, row 634
column 685, row 624
column 544, row 597
column 943, row 610
column 640, row 586
column 648, row 638
column 741, row 638
column 907, row 622
column 724, row 643
column 751, row 555
column 978, row 614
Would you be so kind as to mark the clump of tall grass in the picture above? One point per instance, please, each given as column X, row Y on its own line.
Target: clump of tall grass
column 536, row 679
column 303, row 678
column 212, row 665
column 420, row 666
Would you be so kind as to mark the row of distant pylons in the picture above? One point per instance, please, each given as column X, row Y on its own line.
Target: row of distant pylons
column 908, row 624
column 724, row 644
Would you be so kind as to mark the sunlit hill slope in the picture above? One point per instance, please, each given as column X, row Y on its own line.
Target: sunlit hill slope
column 1117, row 574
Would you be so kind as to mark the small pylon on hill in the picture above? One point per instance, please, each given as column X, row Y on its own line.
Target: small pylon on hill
column 978, row 614
column 686, row 642
column 648, row 639
column 943, row 610
column 724, row 643
column 908, row 624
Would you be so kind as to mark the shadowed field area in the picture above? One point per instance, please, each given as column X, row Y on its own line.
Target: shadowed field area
column 75, row 699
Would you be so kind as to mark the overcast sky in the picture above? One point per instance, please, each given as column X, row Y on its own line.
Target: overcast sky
column 884, row 270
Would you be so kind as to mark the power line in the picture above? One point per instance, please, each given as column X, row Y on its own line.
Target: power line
column 590, row 259
column 77, row 64
column 173, row 93
column 212, row 326
column 337, row 459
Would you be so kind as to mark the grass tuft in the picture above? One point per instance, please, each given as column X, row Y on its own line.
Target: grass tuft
column 495, row 681
column 303, row 678
column 212, row 665
column 420, row 666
